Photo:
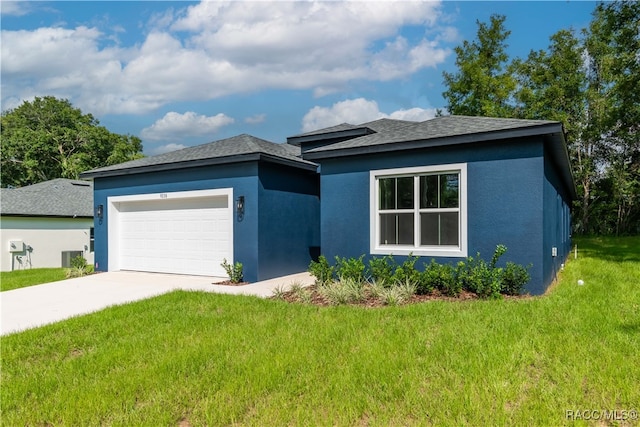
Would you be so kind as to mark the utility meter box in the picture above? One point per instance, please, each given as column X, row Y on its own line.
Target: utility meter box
column 16, row 246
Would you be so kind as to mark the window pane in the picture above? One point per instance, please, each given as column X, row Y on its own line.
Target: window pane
column 405, row 192
column 449, row 228
column 449, row 184
column 396, row 229
column 429, row 229
column 429, row 191
column 405, row 229
column 388, row 229
column 387, row 193
column 438, row 229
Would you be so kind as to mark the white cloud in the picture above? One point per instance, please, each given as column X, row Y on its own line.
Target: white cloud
column 356, row 111
column 167, row 149
column 214, row 49
column 176, row 125
column 15, row 8
column 254, row 120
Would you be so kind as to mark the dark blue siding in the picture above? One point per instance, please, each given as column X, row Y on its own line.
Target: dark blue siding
column 289, row 220
column 557, row 225
column 505, row 183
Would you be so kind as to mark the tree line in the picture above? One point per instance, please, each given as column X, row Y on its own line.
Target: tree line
column 588, row 80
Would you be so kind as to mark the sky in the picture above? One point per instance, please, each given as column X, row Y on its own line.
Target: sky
column 182, row 73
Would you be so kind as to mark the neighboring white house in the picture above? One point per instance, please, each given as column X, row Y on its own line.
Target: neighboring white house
column 46, row 224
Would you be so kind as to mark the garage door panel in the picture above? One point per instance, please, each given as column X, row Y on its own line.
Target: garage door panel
column 184, row 236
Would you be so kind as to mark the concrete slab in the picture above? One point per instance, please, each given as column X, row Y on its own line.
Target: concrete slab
column 39, row 305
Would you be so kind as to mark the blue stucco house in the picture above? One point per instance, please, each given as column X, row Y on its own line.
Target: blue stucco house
column 444, row 188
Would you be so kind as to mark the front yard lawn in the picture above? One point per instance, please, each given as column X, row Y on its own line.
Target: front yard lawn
column 191, row 359
column 36, row 276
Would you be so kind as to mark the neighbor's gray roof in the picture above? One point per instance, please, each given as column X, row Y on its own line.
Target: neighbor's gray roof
column 235, row 149
column 56, row 198
column 443, row 130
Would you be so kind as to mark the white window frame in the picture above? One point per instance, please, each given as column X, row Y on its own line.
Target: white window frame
column 376, row 248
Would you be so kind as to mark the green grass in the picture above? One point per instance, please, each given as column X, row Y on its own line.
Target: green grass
column 207, row 359
column 36, row 276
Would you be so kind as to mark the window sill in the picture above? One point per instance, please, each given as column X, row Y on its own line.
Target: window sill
column 445, row 252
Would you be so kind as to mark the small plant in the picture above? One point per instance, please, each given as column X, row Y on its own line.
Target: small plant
column 79, row 262
column 78, row 268
column 350, row 269
column 407, row 271
column 301, row 294
column 381, row 270
column 343, row 292
column 481, row 278
column 233, row 271
column 514, row 277
column 441, row 277
column 279, row 292
column 395, row 295
column 321, row 270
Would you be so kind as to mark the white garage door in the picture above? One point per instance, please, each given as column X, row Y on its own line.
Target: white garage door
column 175, row 235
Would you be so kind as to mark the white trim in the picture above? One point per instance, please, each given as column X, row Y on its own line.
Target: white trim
column 435, row 251
column 113, row 216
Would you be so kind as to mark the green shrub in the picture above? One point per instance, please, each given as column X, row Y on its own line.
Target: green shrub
column 79, row 262
column 475, row 275
column 350, row 268
column 441, row 277
column 406, row 272
column 381, row 270
column 321, row 270
column 233, row 271
column 514, row 277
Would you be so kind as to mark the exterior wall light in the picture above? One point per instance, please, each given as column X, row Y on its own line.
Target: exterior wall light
column 100, row 211
column 240, row 205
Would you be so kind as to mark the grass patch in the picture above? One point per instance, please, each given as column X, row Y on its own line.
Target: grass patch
column 207, row 359
column 35, row 276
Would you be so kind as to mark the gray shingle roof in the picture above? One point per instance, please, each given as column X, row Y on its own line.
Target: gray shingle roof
column 235, row 149
column 444, row 128
column 58, row 197
column 392, row 135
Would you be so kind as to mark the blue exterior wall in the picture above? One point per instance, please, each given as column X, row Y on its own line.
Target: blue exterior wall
column 289, row 219
column 243, row 178
column 557, row 222
column 505, row 199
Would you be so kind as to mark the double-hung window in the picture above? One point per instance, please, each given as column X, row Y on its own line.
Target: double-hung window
column 422, row 211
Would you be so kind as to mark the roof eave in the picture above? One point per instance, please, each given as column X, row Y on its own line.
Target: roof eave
column 198, row 163
column 29, row 215
column 348, row 133
column 326, row 152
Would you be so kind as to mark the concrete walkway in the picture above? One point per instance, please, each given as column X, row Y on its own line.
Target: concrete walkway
column 39, row 305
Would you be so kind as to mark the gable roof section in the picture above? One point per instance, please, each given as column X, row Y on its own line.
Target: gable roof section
column 393, row 135
column 239, row 148
column 56, row 198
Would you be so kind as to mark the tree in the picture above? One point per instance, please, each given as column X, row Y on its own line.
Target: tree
column 552, row 85
column 590, row 84
column 48, row 138
column 483, row 85
column 612, row 44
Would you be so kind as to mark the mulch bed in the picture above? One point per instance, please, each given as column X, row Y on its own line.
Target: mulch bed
column 372, row 301
column 230, row 283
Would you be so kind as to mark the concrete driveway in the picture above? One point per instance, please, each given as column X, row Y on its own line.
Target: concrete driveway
column 39, row 305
